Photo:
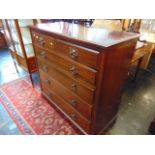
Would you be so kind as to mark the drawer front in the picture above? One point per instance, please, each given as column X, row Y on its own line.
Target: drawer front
column 72, row 99
column 72, row 68
column 43, row 40
column 77, row 53
column 85, row 91
column 71, row 112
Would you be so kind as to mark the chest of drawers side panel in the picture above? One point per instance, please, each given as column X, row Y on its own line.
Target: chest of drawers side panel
column 116, row 67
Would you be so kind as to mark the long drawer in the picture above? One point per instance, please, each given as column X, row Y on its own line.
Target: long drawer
column 69, row 110
column 84, row 90
column 72, row 68
column 75, row 101
column 77, row 53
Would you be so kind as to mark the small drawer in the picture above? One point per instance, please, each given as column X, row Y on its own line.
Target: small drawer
column 84, row 90
column 65, row 107
column 79, row 54
column 72, row 68
column 43, row 40
column 73, row 100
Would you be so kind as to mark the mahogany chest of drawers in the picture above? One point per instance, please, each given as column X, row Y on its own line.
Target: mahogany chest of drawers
column 83, row 70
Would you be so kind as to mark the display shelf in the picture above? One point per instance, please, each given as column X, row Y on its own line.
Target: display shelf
column 19, row 50
column 11, row 48
column 8, row 38
column 29, row 50
column 15, row 37
column 26, row 35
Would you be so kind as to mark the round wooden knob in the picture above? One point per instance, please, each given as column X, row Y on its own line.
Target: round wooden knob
column 51, row 43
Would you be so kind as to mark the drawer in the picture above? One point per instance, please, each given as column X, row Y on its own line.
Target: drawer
column 73, row 100
column 79, row 54
column 84, row 90
column 69, row 110
column 72, row 68
column 43, row 40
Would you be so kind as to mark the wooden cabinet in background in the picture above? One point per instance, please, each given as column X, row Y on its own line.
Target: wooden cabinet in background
column 83, row 70
column 19, row 42
column 2, row 40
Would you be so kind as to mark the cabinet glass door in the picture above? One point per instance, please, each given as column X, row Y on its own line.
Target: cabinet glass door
column 26, row 37
column 15, row 37
column 8, row 38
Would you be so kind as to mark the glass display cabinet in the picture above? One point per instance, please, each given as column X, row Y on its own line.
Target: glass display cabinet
column 9, row 42
column 26, row 37
column 7, row 35
column 20, row 44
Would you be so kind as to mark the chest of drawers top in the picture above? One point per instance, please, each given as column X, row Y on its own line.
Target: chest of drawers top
column 95, row 38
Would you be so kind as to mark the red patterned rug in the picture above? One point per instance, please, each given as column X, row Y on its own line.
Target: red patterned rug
column 31, row 112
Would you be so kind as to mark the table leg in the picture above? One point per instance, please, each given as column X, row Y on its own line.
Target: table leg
column 137, row 69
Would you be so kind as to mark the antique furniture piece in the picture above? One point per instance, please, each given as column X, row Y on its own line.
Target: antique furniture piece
column 139, row 54
column 107, row 24
column 132, row 25
column 2, row 38
column 147, row 31
column 19, row 42
column 9, row 42
column 83, row 70
column 87, row 22
column 149, row 38
column 151, row 128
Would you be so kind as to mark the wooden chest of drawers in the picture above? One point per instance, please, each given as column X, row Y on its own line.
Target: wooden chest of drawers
column 82, row 71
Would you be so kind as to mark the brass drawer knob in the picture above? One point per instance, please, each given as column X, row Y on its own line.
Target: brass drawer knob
column 73, row 103
column 48, row 82
column 50, row 95
column 43, row 54
column 41, row 41
column 73, row 53
column 45, row 68
column 74, row 70
column 73, row 116
column 74, row 87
